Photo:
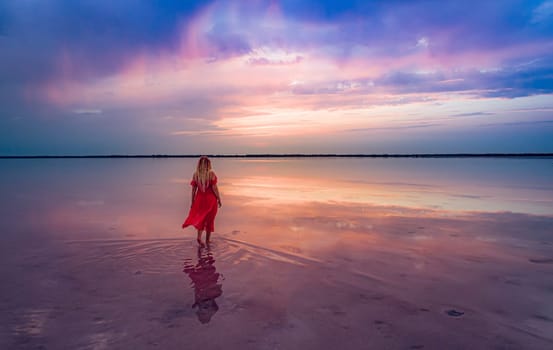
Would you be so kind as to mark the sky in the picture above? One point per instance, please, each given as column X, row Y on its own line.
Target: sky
column 231, row 77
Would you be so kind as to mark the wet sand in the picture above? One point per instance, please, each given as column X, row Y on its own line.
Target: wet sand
column 110, row 268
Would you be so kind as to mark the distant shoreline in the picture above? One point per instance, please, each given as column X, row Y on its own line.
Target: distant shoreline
column 300, row 155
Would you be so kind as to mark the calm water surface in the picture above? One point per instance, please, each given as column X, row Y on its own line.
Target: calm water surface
column 307, row 253
column 149, row 197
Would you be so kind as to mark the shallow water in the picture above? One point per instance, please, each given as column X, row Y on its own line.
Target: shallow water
column 145, row 197
column 307, row 253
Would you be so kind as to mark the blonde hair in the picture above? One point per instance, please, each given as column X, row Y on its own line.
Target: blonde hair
column 202, row 175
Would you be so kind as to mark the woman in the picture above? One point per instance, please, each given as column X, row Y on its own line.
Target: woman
column 205, row 200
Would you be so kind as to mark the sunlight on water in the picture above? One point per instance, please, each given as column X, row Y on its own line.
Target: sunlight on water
column 149, row 197
column 450, row 184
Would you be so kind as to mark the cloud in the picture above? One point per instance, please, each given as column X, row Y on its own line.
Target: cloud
column 544, row 123
column 228, row 46
column 396, row 127
column 508, row 81
column 76, row 41
column 84, row 40
column 265, row 61
column 472, row 114
column 543, row 12
column 89, row 111
column 423, row 42
column 393, row 26
column 218, row 60
column 533, row 109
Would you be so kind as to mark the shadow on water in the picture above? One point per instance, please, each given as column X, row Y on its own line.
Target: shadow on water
column 206, row 282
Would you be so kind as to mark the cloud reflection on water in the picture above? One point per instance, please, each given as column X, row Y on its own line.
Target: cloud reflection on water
column 145, row 198
column 303, row 243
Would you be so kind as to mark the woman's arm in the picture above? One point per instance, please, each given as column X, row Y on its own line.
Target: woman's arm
column 217, row 195
column 213, row 177
column 194, row 190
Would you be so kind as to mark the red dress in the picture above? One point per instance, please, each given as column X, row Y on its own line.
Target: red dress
column 203, row 210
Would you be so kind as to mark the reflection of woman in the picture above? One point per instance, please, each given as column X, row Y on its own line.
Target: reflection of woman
column 205, row 200
column 206, row 289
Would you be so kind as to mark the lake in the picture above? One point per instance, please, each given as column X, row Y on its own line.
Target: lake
column 395, row 253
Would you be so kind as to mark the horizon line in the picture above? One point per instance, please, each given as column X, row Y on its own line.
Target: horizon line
column 296, row 155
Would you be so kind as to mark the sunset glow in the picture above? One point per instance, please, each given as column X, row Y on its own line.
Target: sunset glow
column 243, row 77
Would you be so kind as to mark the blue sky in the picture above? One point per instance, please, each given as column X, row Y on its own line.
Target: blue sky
column 102, row 77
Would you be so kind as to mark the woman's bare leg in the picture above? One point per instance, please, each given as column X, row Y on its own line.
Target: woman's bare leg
column 199, row 238
column 207, row 236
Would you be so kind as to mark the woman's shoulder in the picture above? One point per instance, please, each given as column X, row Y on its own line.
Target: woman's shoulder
column 194, row 181
column 212, row 176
